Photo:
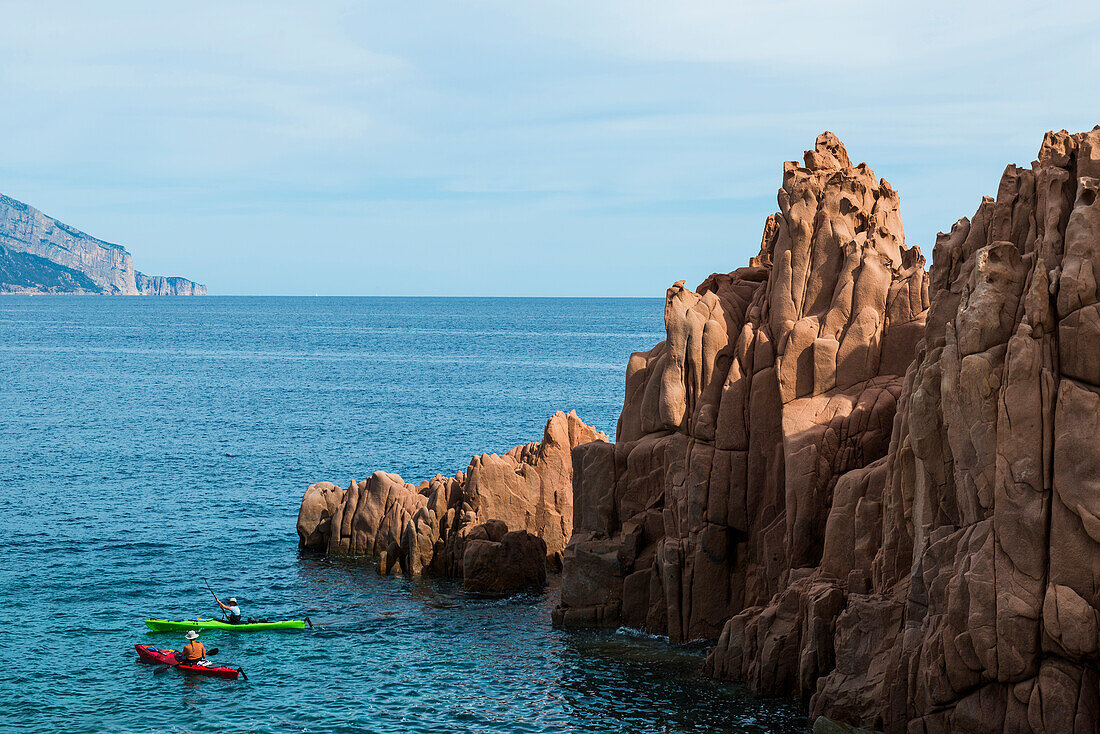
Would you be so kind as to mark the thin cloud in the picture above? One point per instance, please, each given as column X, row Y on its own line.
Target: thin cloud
column 367, row 138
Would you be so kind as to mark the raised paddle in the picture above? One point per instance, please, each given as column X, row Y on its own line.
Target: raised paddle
column 215, row 597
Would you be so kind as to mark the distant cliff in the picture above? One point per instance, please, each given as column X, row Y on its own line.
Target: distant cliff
column 39, row 254
column 22, row 272
column 167, row 285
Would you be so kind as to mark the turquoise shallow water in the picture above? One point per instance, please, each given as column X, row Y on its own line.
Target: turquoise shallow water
column 147, row 443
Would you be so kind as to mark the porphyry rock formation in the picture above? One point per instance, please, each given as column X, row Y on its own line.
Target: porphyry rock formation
column 879, row 490
column 500, row 508
column 55, row 256
column 986, row 586
column 775, row 380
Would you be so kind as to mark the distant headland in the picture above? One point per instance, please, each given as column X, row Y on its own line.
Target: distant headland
column 39, row 254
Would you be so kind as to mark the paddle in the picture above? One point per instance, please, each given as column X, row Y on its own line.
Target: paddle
column 215, row 597
column 241, row 671
column 309, row 623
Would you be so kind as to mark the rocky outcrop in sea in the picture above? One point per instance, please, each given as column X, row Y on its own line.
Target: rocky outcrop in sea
column 873, row 487
column 494, row 525
column 39, row 254
column 877, row 489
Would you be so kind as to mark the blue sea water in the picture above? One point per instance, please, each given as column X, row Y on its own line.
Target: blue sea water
column 146, row 444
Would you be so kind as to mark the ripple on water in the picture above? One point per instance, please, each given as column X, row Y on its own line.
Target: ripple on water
column 118, row 500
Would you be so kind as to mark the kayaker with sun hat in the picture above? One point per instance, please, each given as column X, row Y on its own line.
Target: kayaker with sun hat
column 194, row 651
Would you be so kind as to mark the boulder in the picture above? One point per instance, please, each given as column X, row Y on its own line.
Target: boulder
column 495, row 562
column 319, row 504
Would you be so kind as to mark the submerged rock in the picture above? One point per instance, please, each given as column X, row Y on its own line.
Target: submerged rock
column 430, row 528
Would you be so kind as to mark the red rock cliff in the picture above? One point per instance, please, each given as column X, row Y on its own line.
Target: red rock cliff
column 775, row 381
column 912, row 544
column 986, row 611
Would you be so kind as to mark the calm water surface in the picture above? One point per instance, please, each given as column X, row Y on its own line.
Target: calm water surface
column 148, row 443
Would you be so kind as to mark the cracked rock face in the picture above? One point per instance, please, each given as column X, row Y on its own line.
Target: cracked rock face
column 440, row 526
column 877, row 490
column 991, row 545
column 775, row 381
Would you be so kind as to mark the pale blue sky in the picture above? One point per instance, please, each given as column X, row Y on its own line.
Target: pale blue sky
column 531, row 148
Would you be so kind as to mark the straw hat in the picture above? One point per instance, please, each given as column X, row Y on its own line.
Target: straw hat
column 192, row 635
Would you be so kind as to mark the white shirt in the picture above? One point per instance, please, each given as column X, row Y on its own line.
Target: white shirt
column 234, row 611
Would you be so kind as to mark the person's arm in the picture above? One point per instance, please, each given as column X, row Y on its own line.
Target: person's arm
column 223, row 606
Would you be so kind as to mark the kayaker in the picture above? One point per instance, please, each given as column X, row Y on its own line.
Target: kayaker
column 194, row 651
column 234, row 610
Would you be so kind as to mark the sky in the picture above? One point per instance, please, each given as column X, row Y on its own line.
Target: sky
column 560, row 148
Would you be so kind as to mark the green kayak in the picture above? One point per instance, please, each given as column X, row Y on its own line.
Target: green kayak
column 175, row 625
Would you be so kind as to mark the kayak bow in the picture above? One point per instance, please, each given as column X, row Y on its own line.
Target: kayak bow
column 148, row 654
column 175, row 625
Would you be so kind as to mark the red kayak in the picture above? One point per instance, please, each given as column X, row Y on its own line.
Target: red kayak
column 148, row 654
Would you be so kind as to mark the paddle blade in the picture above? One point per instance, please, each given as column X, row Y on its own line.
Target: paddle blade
column 160, row 669
column 212, row 651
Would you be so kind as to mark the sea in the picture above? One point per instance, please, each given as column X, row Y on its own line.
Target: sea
column 152, row 447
